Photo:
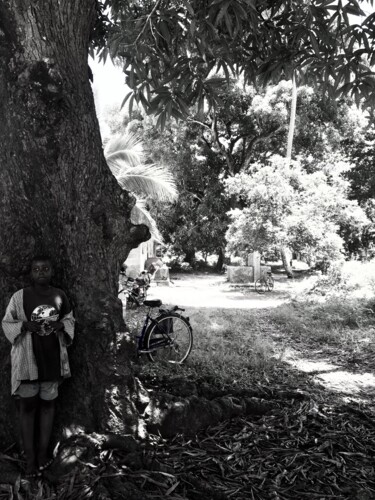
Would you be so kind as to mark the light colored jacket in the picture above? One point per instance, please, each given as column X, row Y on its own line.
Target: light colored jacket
column 22, row 355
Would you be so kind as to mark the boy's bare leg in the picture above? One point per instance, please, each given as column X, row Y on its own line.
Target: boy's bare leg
column 28, row 407
column 46, row 416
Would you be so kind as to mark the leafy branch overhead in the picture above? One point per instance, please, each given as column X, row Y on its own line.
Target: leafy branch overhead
column 177, row 53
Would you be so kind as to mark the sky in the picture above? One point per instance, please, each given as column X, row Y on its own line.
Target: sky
column 109, row 91
column 108, row 86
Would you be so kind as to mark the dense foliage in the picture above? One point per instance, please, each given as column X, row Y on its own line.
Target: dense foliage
column 285, row 206
column 181, row 59
column 247, row 127
column 197, row 221
column 172, row 50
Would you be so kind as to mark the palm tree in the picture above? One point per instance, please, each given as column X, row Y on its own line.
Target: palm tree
column 126, row 159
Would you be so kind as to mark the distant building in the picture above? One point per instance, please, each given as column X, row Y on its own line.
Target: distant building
column 135, row 263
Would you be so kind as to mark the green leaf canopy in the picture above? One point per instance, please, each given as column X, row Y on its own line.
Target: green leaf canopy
column 175, row 52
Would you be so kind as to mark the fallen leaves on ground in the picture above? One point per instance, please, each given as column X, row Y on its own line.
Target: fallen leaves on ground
column 304, row 449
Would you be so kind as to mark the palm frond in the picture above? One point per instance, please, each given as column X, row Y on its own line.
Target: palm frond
column 124, row 155
column 121, row 161
column 151, row 180
column 125, row 142
column 140, row 215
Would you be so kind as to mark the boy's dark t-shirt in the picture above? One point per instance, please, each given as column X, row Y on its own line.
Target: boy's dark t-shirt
column 44, row 307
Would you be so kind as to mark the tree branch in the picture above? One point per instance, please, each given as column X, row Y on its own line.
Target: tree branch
column 206, row 125
column 260, row 138
column 147, row 21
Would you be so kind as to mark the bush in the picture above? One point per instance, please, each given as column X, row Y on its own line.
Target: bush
column 352, row 278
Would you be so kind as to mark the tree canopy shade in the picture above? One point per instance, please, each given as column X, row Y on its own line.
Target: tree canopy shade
column 180, row 52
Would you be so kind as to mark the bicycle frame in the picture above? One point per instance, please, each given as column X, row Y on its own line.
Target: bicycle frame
column 266, row 280
column 135, row 290
column 140, row 338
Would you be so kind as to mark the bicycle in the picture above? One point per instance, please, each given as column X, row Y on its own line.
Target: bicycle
column 166, row 337
column 136, row 289
column 265, row 283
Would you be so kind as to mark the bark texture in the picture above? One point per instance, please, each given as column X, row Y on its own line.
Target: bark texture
column 57, row 196
column 286, row 257
column 292, row 120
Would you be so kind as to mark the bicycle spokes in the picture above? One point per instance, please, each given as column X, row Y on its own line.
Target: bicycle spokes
column 170, row 339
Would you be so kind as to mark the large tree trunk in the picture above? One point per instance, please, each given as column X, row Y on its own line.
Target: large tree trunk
column 57, row 196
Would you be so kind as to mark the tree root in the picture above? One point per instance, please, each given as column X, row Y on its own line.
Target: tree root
column 170, row 417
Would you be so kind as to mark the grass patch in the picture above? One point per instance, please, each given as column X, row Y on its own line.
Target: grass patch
column 229, row 349
column 330, row 308
column 229, row 344
column 237, row 348
column 318, row 321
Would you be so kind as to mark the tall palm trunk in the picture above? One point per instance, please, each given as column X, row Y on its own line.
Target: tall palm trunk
column 292, row 120
column 285, row 252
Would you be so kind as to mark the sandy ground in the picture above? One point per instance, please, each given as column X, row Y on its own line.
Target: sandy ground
column 214, row 291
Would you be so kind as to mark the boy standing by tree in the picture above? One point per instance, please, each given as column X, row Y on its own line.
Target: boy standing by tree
column 40, row 325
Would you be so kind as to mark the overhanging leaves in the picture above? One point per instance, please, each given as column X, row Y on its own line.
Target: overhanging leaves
column 180, row 45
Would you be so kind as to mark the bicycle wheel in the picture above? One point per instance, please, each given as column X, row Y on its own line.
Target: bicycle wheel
column 170, row 339
column 270, row 283
column 260, row 286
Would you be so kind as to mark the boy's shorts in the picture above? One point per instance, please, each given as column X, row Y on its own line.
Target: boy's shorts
column 46, row 390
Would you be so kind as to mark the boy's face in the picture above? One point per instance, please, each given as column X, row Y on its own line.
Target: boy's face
column 41, row 272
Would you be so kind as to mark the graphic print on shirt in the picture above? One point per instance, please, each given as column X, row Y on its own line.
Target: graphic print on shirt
column 43, row 314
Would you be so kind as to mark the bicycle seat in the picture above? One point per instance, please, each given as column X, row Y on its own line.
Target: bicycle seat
column 153, row 303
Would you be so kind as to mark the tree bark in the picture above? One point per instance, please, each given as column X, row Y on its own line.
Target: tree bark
column 292, row 120
column 58, row 196
column 220, row 259
column 190, row 256
column 286, row 258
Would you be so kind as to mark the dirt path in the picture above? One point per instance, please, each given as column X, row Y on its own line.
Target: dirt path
column 352, row 379
column 214, row 291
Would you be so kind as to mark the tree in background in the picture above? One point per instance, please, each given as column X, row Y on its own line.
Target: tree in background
column 362, row 175
column 197, row 220
column 362, row 185
column 285, row 206
column 245, row 126
column 206, row 150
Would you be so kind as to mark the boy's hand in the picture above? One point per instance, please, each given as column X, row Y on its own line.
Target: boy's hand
column 56, row 325
column 31, row 326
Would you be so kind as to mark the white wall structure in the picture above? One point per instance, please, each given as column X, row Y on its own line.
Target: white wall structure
column 137, row 257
